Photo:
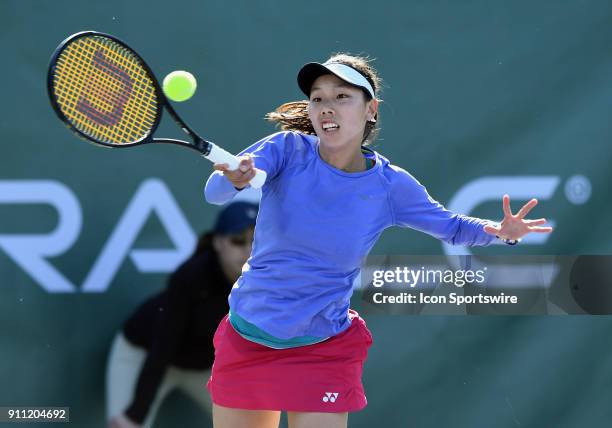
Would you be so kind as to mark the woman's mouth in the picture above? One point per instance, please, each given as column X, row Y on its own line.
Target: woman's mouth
column 330, row 127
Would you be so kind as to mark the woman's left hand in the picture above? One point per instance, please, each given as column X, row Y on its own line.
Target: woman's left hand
column 515, row 226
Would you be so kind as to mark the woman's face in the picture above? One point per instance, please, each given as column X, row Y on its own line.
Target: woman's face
column 338, row 112
column 233, row 251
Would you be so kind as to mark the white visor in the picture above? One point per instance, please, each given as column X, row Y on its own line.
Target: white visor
column 311, row 71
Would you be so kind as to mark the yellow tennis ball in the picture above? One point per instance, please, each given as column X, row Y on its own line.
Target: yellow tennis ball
column 179, row 85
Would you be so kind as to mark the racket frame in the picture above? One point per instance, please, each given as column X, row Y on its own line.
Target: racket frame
column 200, row 145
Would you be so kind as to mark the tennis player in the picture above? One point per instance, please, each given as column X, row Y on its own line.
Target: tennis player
column 290, row 342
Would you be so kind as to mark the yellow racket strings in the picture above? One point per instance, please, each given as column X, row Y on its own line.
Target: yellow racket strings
column 104, row 91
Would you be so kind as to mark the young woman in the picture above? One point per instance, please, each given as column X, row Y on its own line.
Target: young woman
column 167, row 342
column 290, row 341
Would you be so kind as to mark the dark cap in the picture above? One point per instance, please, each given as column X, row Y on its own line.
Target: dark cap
column 236, row 217
column 313, row 70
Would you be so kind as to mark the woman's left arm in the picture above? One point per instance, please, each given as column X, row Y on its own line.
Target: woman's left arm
column 413, row 207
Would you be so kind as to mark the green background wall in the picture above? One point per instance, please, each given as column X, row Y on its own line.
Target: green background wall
column 473, row 89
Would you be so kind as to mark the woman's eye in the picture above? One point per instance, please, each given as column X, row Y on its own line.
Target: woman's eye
column 318, row 99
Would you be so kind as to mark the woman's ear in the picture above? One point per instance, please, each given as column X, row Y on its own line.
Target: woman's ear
column 372, row 110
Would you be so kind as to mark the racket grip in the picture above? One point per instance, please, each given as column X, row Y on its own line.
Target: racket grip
column 219, row 155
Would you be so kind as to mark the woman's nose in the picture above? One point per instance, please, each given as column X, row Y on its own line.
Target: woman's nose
column 326, row 110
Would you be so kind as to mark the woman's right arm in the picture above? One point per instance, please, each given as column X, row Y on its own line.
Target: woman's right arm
column 268, row 154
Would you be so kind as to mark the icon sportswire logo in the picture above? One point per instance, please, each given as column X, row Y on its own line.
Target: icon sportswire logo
column 330, row 397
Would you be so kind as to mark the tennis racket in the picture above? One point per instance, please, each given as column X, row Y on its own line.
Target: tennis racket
column 106, row 94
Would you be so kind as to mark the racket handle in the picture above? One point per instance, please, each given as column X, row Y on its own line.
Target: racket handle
column 219, row 155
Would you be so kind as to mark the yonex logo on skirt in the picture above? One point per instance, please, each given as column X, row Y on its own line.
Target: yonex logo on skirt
column 330, row 396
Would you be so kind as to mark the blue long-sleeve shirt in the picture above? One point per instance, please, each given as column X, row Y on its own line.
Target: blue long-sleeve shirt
column 316, row 224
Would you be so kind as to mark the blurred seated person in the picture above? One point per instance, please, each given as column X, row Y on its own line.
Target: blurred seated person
column 167, row 343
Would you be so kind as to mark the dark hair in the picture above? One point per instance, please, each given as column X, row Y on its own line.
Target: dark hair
column 293, row 116
column 205, row 244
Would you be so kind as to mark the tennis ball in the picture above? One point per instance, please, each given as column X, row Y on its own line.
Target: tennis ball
column 179, row 85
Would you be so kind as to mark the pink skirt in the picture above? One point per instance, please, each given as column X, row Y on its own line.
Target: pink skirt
column 323, row 377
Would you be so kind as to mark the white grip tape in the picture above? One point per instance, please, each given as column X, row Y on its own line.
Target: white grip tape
column 218, row 155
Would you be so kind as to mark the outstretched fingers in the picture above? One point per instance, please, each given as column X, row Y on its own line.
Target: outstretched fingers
column 506, row 206
column 526, row 208
column 534, row 222
column 538, row 229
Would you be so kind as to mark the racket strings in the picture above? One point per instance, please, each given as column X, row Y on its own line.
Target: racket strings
column 104, row 91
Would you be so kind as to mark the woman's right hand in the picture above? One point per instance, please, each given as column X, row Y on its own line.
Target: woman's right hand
column 122, row 421
column 240, row 177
